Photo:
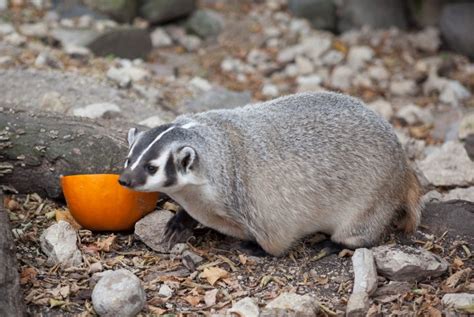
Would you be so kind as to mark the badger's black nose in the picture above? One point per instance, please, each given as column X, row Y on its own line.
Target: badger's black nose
column 125, row 180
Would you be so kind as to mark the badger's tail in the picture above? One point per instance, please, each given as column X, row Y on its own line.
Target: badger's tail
column 412, row 205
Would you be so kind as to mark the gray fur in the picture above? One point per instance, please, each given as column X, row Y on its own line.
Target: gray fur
column 276, row 171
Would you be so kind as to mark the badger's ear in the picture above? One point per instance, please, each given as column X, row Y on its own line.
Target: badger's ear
column 186, row 158
column 132, row 136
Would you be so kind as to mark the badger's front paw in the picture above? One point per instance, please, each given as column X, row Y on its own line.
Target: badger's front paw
column 179, row 228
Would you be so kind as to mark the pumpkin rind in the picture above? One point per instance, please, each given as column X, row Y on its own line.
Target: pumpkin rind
column 99, row 203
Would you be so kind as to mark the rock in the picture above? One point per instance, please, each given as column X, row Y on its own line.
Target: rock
column 124, row 42
column 179, row 248
column 52, row 101
column 382, row 107
column 217, row 98
column 165, row 291
column 460, row 194
column 193, row 256
column 365, row 272
column 77, row 51
column 469, row 146
column 71, row 90
column 59, row 243
column 39, row 29
column 405, row 87
column 270, row 90
column 432, row 196
column 358, row 304
column 404, row 263
column 378, row 73
column 453, row 92
column 358, row 56
column 342, row 77
column 355, row 14
column 15, row 39
column 333, row 57
column 120, row 10
column 309, row 83
column 448, row 165
column 466, row 126
column 312, row 47
column 455, row 217
column 73, row 8
column 6, row 28
column 205, row 23
column 321, row 13
column 152, row 122
column 365, row 282
column 393, row 288
column 412, row 114
column 426, row 13
column 456, row 23
column 201, row 83
column 461, row 302
column 289, row 304
column 159, row 38
column 304, row 65
column 126, row 74
column 151, row 228
column 96, row 267
column 118, row 293
column 160, row 11
column 427, row 40
column 46, row 59
column 256, row 57
column 96, row 110
column 450, row 91
column 245, row 307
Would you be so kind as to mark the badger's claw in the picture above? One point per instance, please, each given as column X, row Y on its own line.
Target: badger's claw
column 178, row 228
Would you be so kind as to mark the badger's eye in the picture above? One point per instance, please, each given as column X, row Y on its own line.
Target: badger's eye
column 151, row 169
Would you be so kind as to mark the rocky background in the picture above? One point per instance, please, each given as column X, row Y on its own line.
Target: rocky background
column 147, row 61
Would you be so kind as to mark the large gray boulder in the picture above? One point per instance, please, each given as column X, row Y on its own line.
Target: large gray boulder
column 205, row 23
column 321, row 13
column 161, row 11
column 355, row 14
column 120, row 10
column 125, row 42
column 456, row 24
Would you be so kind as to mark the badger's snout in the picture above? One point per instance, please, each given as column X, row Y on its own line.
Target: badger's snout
column 125, row 180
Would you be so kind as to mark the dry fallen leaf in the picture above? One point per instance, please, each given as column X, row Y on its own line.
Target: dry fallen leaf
column 65, row 215
column 243, row 259
column 322, row 280
column 193, row 300
column 210, row 297
column 106, row 244
column 28, row 274
column 457, row 263
column 156, row 310
column 213, row 274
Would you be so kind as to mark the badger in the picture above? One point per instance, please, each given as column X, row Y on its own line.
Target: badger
column 277, row 171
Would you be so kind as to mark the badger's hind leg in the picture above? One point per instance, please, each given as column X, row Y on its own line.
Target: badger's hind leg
column 365, row 229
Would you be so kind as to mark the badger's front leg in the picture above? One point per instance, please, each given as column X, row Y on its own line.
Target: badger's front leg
column 179, row 227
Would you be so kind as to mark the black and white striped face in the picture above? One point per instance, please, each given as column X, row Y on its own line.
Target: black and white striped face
column 159, row 160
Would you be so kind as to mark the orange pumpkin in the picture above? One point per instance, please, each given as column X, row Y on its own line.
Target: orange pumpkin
column 99, row 203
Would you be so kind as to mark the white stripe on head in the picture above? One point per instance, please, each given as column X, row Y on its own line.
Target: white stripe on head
column 189, row 125
column 134, row 165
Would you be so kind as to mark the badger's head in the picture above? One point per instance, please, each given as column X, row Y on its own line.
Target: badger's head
column 161, row 160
